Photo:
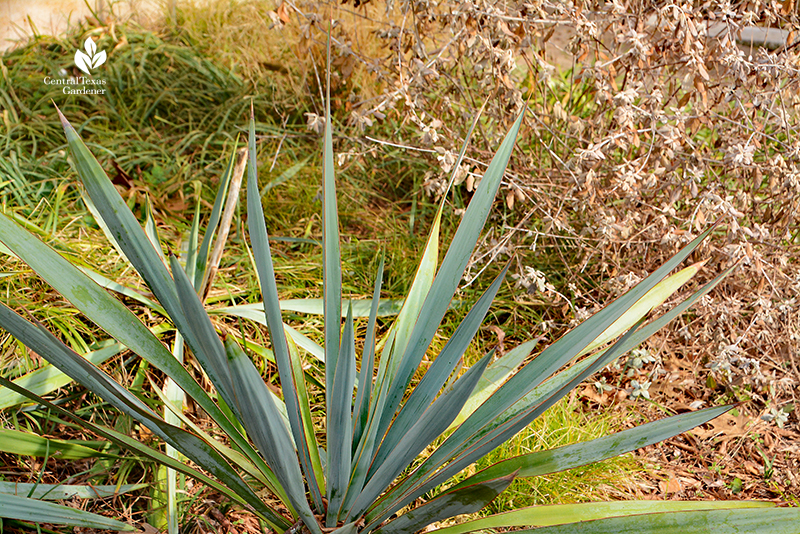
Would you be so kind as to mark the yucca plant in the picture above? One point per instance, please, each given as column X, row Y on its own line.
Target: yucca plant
column 354, row 475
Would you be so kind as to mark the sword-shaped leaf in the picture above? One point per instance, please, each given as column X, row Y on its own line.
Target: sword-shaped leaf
column 508, row 423
column 272, row 312
column 83, row 372
column 466, row 500
column 558, row 514
column 24, row 509
column 265, row 426
column 749, row 520
column 340, row 429
column 29, row 444
column 331, row 261
column 144, row 451
column 436, row 417
column 213, row 220
column 47, row 378
column 578, row 454
column 365, row 377
column 449, row 274
column 436, row 376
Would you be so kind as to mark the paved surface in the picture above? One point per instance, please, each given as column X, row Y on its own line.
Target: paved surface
column 21, row 18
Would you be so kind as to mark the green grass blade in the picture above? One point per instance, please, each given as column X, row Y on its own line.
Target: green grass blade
column 272, row 312
column 56, row 492
column 751, row 521
column 466, row 500
column 48, row 378
column 285, row 176
column 558, row 514
column 29, row 444
column 427, row 428
column 24, row 509
column 340, row 429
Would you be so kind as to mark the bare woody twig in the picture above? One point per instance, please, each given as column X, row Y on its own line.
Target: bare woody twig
column 225, row 223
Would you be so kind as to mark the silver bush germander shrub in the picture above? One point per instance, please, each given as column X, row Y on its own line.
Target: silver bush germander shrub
column 378, row 421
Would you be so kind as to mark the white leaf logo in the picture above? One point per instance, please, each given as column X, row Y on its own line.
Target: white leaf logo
column 90, row 59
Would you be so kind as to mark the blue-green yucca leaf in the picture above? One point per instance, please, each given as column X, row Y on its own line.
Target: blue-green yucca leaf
column 103, row 309
column 331, row 261
column 569, row 456
column 430, row 426
column 559, row 514
column 450, row 273
column 107, row 283
column 379, row 415
column 123, row 226
column 262, row 473
column 494, row 376
column 255, row 312
column 340, row 429
column 24, row 509
column 465, row 500
column 466, row 453
column 488, row 415
column 305, row 412
column 566, row 348
column 737, row 521
column 151, row 231
column 509, row 422
column 438, row 372
column 199, row 328
column 362, row 444
column 403, row 327
column 47, row 378
column 265, row 426
column 364, row 393
column 272, row 312
column 144, row 451
column 53, row 350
